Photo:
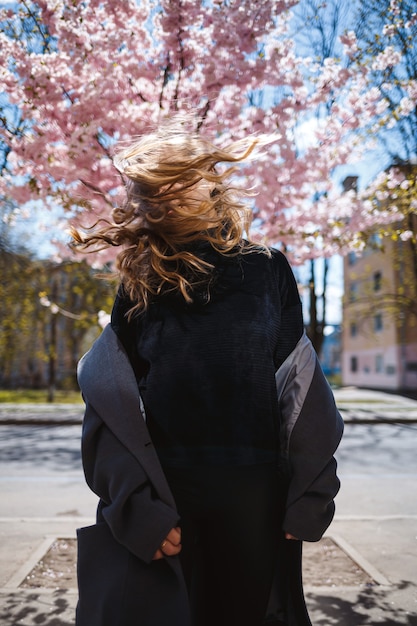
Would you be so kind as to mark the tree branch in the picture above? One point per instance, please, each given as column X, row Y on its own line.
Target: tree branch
column 97, row 191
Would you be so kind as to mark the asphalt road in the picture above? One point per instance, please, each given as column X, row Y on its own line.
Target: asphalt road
column 41, row 473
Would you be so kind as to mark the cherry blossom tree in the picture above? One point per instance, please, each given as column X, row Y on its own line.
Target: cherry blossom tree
column 388, row 29
column 79, row 76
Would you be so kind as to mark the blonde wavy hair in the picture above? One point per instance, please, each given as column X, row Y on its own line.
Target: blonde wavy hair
column 175, row 197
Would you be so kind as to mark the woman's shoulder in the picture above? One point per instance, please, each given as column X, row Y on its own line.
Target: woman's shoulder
column 280, row 264
column 269, row 257
column 279, row 259
column 275, row 267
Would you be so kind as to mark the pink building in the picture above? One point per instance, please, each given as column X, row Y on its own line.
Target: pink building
column 379, row 336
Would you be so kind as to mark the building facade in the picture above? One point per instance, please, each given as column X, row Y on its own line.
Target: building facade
column 379, row 337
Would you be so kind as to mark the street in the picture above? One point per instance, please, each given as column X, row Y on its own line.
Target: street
column 41, row 473
column 377, row 466
column 45, row 461
column 378, row 470
column 43, row 495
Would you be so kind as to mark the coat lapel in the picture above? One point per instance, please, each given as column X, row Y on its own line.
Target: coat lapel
column 109, row 383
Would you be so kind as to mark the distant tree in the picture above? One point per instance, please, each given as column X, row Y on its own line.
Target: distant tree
column 40, row 345
column 17, row 309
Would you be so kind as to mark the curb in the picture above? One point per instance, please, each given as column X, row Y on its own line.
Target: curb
column 10, row 421
column 77, row 421
column 38, row 420
column 58, row 414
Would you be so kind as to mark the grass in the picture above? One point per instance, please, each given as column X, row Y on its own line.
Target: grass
column 334, row 380
column 22, row 396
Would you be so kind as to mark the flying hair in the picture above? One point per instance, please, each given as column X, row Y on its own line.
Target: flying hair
column 175, row 197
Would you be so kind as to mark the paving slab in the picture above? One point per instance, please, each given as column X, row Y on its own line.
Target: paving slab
column 367, row 406
column 40, row 413
column 384, row 549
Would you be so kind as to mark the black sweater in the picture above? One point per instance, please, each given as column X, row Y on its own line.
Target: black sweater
column 206, row 370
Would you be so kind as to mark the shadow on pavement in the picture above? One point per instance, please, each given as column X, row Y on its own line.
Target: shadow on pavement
column 57, row 449
column 34, row 608
column 371, row 605
column 366, row 606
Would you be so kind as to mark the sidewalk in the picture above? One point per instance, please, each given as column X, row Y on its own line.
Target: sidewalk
column 390, row 599
column 359, row 406
column 367, row 406
column 41, row 414
column 379, row 548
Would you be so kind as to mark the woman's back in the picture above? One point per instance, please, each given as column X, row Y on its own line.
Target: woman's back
column 206, row 369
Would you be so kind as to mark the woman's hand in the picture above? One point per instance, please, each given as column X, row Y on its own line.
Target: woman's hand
column 290, row 536
column 170, row 546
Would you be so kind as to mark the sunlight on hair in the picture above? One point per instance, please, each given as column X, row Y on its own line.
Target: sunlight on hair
column 175, row 196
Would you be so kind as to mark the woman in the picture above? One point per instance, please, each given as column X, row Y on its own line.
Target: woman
column 209, row 430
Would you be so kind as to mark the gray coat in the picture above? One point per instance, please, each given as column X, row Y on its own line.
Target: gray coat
column 119, row 584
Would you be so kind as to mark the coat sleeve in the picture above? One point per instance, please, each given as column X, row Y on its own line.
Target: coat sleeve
column 137, row 518
column 311, row 431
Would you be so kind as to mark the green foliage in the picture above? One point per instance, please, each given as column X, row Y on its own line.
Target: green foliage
column 40, row 345
column 31, row 396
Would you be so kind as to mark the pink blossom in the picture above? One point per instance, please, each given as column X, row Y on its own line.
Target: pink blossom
column 406, row 235
column 350, row 43
column 115, row 69
column 395, row 7
column 388, row 58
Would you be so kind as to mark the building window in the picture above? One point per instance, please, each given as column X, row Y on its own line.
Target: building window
column 353, row 363
column 377, row 281
column 351, row 258
column 378, row 324
column 353, row 329
column 390, row 370
column 375, row 241
column 353, row 292
column 379, row 363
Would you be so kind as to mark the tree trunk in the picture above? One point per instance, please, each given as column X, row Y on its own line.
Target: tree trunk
column 316, row 325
